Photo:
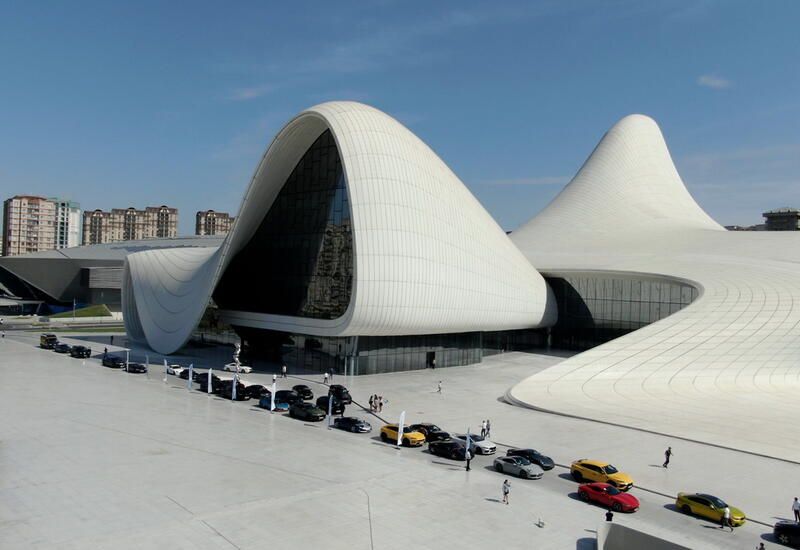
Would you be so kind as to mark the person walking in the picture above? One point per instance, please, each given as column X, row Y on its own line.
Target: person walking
column 274, row 378
column 488, row 428
column 111, row 340
column 667, row 455
column 483, row 428
column 725, row 520
column 796, row 510
column 468, row 456
column 433, row 363
column 371, row 403
column 380, row 403
column 439, row 387
column 506, row 491
column 325, row 378
column 283, row 371
column 105, row 352
column 332, row 373
column 609, row 515
column 761, row 546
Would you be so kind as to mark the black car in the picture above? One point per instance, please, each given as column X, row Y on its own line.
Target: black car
column 203, row 382
column 545, row 462
column 304, row 392
column 288, row 396
column 306, row 411
column 352, row 424
column 430, row 437
column 62, row 348
column 113, row 361
column 225, row 389
column 425, row 428
column 80, row 352
column 452, row 449
column 256, row 390
column 136, row 367
column 788, row 533
column 337, row 407
column 184, row 375
column 48, row 341
column 340, row 393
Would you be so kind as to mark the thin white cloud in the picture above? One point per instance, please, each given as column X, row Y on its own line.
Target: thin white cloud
column 251, row 92
column 714, row 82
column 541, row 180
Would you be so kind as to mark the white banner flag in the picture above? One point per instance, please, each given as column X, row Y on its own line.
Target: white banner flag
column 208, row 390
column 233, row 387
column 272, row 397
column 189, row 380
column 400, row 428
column 165, row 370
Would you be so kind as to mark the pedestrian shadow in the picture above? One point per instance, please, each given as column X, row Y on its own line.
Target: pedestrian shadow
column 656, row 465
column 782, row 519
column 493, row 500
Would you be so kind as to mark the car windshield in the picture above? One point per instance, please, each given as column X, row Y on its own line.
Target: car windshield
column 522, row 461
column 609, row 469
column 716, row 502
column 612, row 490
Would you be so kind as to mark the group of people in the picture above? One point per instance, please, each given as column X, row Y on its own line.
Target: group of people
column 486, row 428
column 376, row 403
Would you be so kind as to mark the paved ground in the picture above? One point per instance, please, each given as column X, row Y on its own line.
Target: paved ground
column 93, row 457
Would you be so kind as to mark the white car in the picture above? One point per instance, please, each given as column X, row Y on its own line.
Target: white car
column 481, row 445
column 231, row 367
column 175, row 370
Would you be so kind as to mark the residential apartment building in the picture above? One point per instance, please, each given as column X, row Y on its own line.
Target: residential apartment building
column 208, row 222
column 29, row 225
column 69, row 230
column 128, row 224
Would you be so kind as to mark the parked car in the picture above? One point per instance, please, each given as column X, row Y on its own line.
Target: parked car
column 480, row 444
column 256, row 390
column 225, row 389
column 304, row 392
column 265, row 401
column 410, row 437
column 340, row 393
column 601, row 472
column 113, row 361
column 518, row 466
column 608, row 496
column 306, row 411
column 62, row 348
column 544, row 462
column 352, row 424
column 175, row 370
column 80, row 352
column 787, row 533
column 203, row 382
column 48, row 341
column 336, row 408
column 135, row 367
column 451, row 448
column 430, row 437
column 184, row 374
column 231, row 367
column 425, row 428
column 707, row 506
column 287, row 396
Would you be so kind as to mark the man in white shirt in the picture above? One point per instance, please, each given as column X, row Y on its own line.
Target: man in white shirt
column 796, row 509
column 726, row 519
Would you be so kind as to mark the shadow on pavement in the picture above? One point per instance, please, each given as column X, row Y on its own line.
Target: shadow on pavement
column 494, row 500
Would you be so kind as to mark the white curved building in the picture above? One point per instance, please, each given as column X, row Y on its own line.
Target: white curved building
column 719, row 370
column 351, row 227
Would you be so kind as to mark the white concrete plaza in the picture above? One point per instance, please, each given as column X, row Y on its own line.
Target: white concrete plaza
column 97, row 458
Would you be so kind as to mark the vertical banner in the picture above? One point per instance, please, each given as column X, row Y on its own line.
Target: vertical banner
column 127, row 359
column 330, row 410
column 272, row 397
column 165, row 371
column 189, row 380
column 469, row 442
column 208, row 391
column 400, row 428
column 233, row 387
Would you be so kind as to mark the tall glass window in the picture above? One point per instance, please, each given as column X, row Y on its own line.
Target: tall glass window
column 300, row 260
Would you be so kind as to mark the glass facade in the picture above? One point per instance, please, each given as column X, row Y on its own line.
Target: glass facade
column 300, row 259
column 596, row 308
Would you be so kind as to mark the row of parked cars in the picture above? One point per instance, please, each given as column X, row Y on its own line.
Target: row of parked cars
column 50, row 341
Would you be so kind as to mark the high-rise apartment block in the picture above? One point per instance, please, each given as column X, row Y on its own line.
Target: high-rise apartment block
column 69, row 230
column 29, row 225
column 128, row 224
column 208, row 222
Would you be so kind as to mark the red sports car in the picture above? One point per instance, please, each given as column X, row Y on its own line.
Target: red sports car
column 608, row 496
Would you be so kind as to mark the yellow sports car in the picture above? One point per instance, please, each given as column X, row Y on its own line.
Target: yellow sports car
column 707, row 506
column 603, row 472
column 410, row 437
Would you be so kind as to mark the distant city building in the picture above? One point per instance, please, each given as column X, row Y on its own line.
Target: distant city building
column 757, row 227
column 782, row 219
column 29, row 225
column 208, row 222
column 128, row 224
column 69, row 230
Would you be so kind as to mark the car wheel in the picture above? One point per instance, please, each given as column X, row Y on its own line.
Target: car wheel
column 584, row 496
column 524, row 475
column 685, row 509
column 617, row 507
column 498, row 467
column 384, row 437
column 406, row 442
column 783, row 538
column 353, row 429
column 576, row 476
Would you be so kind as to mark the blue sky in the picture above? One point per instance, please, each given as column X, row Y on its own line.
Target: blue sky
column 133, row 104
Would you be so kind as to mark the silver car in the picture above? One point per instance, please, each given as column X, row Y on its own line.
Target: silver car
column 518, row 466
